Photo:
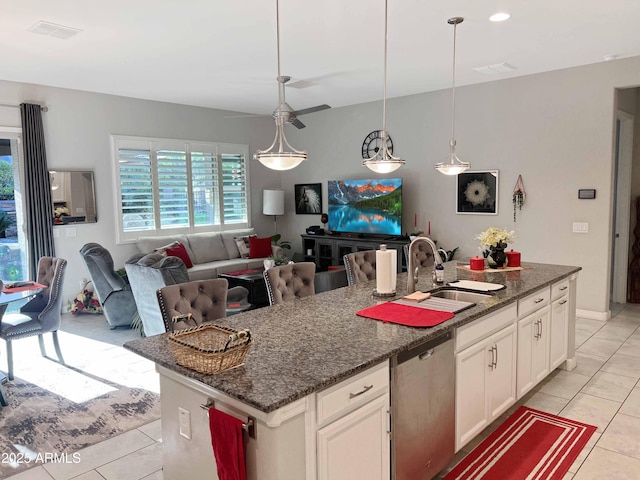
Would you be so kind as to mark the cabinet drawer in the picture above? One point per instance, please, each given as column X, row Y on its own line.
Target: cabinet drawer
column 532, row 302
column 559, row 289
column 351, row 393
column 475, row 331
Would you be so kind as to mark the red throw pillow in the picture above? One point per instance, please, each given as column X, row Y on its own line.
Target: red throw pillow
column 180, row 252
column 259, row 247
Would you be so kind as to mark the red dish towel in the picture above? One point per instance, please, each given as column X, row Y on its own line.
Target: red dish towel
column 228, row 446
column 35, row 286
column 405, row 315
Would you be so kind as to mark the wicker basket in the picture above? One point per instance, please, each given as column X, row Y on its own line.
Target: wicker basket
column 210, row 348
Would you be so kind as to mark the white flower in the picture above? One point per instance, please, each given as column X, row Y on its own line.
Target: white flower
column 58, row 212
column 494, row 236
column 476, row 192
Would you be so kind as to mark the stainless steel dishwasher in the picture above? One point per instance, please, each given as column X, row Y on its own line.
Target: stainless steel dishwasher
column 423, row 410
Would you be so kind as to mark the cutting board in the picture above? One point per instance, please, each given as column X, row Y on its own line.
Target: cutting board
column 477, row 286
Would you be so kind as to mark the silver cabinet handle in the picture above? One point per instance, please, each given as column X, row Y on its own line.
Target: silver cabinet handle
column 538, row 300
column 364, row 390
column 562, row 289
column 563, row 302
column 494, row 357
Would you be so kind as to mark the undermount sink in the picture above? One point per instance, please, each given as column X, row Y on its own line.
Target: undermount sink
column 454, row 294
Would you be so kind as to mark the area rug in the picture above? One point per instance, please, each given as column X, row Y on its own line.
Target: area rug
column 39, row 422
column 530, row 445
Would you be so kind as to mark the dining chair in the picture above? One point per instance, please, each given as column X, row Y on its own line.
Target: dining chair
column 39, row 315
column 287, row 282
column 423, row 255
column 190, row 304
column 360, row 266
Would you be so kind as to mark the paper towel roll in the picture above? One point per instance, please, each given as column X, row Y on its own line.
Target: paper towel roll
column 386, row 264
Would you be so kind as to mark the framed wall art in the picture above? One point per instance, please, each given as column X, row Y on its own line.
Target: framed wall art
column 308, row 198
column 477, row 192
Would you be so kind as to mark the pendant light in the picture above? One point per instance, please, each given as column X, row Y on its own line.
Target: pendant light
column 280, row 155
column 383, row 161
column 455, row 165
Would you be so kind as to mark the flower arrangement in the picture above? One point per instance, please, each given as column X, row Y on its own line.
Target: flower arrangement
column 61, row 212
column 85, row 302
column 494, row 237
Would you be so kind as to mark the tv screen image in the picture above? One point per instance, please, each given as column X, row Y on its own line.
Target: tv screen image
column 366, row 206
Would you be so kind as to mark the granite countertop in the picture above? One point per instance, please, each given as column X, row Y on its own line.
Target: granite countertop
column 311, row 343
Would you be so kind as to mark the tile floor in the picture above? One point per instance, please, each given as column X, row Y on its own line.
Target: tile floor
column 604, row 390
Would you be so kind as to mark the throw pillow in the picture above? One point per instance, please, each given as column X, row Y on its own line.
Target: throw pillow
column 163, row 250
column 181, row 252
column 243, row 245
column 259, row 247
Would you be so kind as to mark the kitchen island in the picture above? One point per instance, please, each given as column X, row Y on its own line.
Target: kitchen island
column 305, row 353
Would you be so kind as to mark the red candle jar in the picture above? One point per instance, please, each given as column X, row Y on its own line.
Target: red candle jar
column 476, row 263
column 513, row 258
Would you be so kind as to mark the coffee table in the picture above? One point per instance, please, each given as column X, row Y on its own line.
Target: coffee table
column 252, row 280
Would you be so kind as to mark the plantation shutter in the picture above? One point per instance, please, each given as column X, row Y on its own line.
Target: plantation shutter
column 234, row 188
column 177, row 185
column 173, row 188
column 204, row 183
column 136, row 189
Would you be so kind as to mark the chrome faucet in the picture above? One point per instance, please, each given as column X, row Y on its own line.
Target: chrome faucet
column 413, row 271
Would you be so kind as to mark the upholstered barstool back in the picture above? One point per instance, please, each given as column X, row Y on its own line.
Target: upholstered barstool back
column 205, row 300
column 423, row 255
column 287, row 282
column 360, row 266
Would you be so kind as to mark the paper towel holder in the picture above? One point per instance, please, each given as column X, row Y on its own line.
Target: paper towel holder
column 375, row 292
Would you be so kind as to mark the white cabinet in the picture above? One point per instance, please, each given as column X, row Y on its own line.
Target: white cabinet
column 356, row 445
column 485, row 372
column 559, row 328
column 533, row 349
column 353, row 440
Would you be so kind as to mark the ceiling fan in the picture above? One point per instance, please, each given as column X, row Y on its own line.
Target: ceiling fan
column 284, row 110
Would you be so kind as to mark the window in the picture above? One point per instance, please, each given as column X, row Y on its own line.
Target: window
column 173, row 186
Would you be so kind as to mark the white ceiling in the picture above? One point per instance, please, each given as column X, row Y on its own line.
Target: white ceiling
column 222, row 53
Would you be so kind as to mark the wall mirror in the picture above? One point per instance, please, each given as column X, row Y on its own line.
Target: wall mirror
column 73, row 195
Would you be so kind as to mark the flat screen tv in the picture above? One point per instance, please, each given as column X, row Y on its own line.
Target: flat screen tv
column 368, row 207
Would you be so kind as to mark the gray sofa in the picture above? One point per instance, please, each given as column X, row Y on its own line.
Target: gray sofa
column 211, row 253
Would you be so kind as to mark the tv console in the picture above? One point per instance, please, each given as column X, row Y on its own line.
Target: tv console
column 328, row 250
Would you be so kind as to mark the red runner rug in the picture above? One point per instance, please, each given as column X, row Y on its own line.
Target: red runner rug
column 530, row 445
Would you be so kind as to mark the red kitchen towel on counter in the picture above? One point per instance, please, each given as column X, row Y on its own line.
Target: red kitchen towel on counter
column 405, row 315
column 228, row 445
column 21, row 288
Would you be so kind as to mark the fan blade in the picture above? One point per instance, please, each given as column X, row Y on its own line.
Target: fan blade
column 311, row 109
column 297, row 123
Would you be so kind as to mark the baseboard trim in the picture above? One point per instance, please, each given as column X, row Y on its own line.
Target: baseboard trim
column 593, row 315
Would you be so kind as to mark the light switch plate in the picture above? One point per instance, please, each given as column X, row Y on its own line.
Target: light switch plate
column 580, row 227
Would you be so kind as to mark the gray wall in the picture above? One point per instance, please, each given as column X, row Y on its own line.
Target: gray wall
column 555, row 129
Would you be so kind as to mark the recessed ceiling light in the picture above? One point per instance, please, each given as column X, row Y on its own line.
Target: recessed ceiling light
column 499, row 17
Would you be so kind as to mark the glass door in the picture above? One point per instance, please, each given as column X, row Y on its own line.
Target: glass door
column 13, row 251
